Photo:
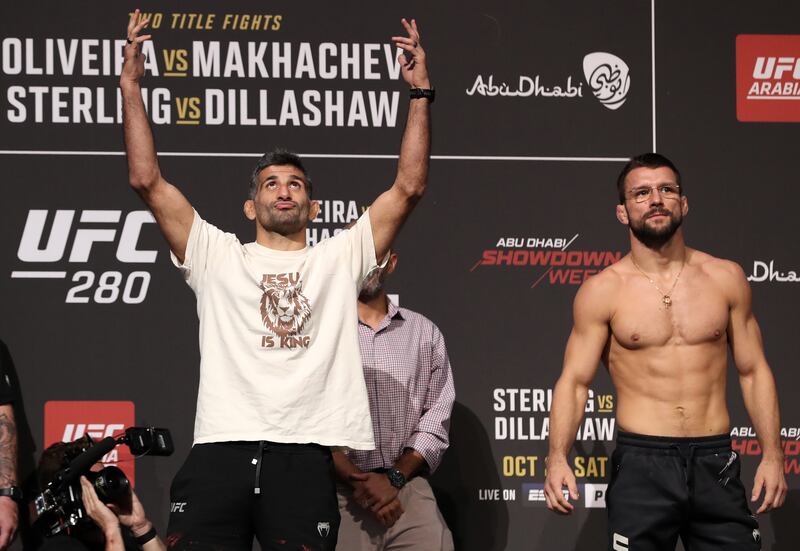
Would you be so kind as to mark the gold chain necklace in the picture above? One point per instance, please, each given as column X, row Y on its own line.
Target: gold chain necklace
column 665, row 297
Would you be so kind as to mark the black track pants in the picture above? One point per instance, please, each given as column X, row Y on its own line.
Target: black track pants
column 665, row 487
column 226, row 493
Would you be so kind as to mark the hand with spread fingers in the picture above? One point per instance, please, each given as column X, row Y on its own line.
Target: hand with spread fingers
column 771, row 480
column 133, row 67
column 99, row 512
column 413, row 63
column 559, row 474
column 110, row 517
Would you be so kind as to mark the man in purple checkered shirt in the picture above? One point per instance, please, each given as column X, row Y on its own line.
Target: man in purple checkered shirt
column 384, row 498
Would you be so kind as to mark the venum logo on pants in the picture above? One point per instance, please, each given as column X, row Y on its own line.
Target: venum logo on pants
column 323, row 528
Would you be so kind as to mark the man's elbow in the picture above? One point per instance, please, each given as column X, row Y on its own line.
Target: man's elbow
column 412, row 190
column 144, row 182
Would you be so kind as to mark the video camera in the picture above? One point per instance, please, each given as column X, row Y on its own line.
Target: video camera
column 59, row 507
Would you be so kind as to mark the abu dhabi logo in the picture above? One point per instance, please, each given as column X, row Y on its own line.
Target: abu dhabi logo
column 563, row 266
column 608, row 77
column 766, row 272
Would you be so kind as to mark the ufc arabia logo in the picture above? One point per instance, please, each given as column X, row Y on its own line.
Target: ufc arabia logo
column 776, row 67
column 67, row 421
column 768, row 78
column 90, row 229
column 97, row 431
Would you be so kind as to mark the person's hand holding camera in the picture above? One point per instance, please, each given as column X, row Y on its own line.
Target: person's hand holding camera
column 110, row 517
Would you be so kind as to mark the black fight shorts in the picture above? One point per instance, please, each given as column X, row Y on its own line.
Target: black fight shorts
column 227, row 493
column 663, row 488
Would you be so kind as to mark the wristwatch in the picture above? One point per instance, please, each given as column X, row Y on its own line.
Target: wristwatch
column 396, row 478
column 416, row 93
column 13, row 492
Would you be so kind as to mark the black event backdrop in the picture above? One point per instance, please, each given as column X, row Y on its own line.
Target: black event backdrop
column 519, row 210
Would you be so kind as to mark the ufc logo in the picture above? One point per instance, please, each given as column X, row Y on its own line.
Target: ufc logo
column 619, row 543
column 30, row 249
column 177, row 506
column 97, row 431
column 775, row 67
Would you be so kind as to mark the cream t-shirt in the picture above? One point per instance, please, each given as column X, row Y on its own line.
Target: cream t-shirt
column 279, row 338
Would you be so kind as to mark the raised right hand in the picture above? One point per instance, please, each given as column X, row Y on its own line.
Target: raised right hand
column 133, row 67
column 559, row 474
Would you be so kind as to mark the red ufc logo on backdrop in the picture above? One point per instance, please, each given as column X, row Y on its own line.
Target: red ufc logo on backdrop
column 768, row 78
column 68, row 421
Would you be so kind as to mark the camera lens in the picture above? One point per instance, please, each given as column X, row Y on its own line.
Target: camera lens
column 111, row 484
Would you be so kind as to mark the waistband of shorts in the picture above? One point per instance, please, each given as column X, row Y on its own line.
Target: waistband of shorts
column 267, row 446
column 715, row 442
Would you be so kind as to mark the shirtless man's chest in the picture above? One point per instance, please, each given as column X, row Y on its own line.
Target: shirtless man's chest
column 668, row 361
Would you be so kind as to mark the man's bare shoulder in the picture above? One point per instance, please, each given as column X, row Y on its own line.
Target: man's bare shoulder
column 716, row 267
column 598, row 293
column 728, row 274
column 608, row 280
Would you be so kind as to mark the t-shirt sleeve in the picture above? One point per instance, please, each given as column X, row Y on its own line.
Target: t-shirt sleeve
column 360, row 248
column 204, row 248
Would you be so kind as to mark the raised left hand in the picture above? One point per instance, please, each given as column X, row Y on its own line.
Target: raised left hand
column 413, row 63
column 770, row 479
column 97, row 510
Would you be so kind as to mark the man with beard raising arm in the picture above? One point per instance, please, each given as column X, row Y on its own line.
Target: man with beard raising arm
column 280, row 375
column 661, row 320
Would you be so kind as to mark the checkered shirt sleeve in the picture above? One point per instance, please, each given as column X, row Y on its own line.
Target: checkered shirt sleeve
column 410, row 387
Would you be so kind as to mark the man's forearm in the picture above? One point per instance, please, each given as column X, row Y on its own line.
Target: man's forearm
column 8, row 447
column 143, row 169
column 410, row 463
column 114, row 541
column 344, row 467
column 415, row 149
column 761, row 402
column 566, row 413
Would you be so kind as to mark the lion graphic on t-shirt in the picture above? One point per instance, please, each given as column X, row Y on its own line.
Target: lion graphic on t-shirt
column 284, row 308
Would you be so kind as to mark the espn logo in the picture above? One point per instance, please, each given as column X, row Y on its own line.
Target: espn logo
column 768, row 78
column 69, row 421
column 594, row 495
column 533, row 495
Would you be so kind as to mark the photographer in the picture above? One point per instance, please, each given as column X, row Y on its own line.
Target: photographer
column 110, row 518
column 115, row 527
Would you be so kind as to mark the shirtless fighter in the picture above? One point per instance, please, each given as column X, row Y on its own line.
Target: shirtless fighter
column 661, row 319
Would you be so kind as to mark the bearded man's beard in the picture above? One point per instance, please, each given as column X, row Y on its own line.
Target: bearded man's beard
column 286, row 222
column 372, row 287
column 655, row 238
